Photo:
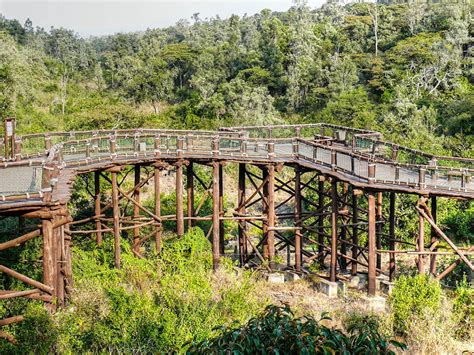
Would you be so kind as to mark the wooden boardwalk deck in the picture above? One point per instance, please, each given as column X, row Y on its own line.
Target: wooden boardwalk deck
column 341, row 158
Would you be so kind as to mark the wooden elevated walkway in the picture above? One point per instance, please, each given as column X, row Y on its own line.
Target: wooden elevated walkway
column 359, row 157
column 315, row 193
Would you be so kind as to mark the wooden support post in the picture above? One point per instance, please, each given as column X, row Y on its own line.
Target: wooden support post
column 60, row 258
column 298, row 213
column 49, row 257
column 98, row 225
column 434, row 239
column 215, row 215
column 355, row 231
column 343, row 260
column 378, row 228
column 179, row 200
column 334, row 229
column 136, row 209
column 271, row 215
column 266, row 252
column 116, row 217
column 221, row 210
column 67, row 260
column 158, row 229
column 241, row 211
column 392, row 244
column 372, row 243
column 190, row 193
column 421, row 242
column 321, row 221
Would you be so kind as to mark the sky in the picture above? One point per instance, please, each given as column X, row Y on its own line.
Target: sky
column 94, row 18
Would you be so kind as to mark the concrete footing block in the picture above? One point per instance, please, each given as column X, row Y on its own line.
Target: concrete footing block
column 386, row 287
column 291, row 276
column 341, row 288
column 375, row 303
column 275, row 277
column 378, row 281
column 327, row 287
column 358, row 281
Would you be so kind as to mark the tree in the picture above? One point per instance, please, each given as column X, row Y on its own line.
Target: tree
column 15, row 75
column 63, row 46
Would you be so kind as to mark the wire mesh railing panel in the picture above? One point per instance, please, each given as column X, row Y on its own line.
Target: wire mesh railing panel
column 20, row 179
column 385, row 172
column 344, row 161
column 33, row 145
column 229, row 146
column 323, row 155
column 408, row 176
column 361, row 168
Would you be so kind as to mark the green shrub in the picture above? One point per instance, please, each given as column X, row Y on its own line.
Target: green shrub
column 277, row 330
column 413, row 296
column 463, row 310
column 148, row 306
column 37, row 333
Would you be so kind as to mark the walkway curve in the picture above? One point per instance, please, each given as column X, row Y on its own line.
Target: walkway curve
column 41, row 165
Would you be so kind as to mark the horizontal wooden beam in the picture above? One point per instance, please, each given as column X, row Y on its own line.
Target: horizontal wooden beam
column 11, row 320
column 26, row 279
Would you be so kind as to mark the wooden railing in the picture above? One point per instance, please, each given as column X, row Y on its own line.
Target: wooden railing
column 333, row 147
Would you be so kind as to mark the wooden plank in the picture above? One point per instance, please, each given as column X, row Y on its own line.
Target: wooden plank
column 355, row 229
column 444, row 236
column 271, row 215
column 221, row 210
column 392, row 244
column 334, row 230
column 420, row 242
column 97, row 207
column 13, row 294
column 26, row 279
column 215, row 215
column 157, row 187
column 179, row 199
column 372, row 259
column 434, row 239
column 11, row 320
column 190, row 193
column 298, row 211
column 241, row 211
column 136, row 208
column 20, row 240
column 116, row 217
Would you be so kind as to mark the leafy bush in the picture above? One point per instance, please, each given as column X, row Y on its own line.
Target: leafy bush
column 37, row 333
column 412, row 296
column 277, row 330
column 148, row 306
column 463, row 310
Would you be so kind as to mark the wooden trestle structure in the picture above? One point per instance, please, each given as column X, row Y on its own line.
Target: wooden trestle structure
column 313, row 194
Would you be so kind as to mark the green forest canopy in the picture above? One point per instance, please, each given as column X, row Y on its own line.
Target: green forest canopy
column 403, row 69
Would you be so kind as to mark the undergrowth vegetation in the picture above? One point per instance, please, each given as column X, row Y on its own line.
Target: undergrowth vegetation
column 174, row 302
column 432, row 318
column 148, row 306
column 278, row 330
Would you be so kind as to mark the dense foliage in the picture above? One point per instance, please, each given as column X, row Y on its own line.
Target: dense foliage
column 404, row 69
column 148, row 306
column 463, row 309
column 413, row 296
column 277, row 330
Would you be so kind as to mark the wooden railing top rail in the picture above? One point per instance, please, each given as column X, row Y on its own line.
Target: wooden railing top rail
column 302, row 125
column 116, row 131
column 115, row 145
